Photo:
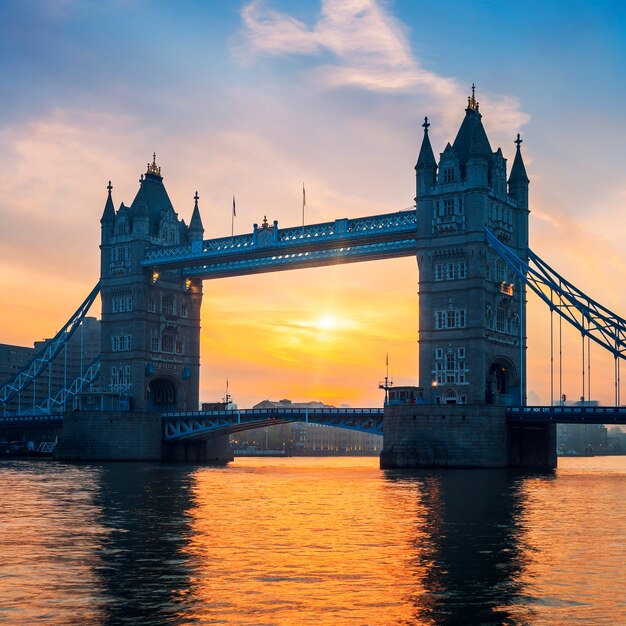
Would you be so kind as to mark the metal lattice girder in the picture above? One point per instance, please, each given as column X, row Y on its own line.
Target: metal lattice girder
column 206, row 424
column 299, row 260
column 567, row 414
column 41, row 361
column 587, row 315
column 83, row 380
column 274, row 244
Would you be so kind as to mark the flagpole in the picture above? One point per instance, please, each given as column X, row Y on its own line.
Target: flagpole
column 232, row 221
column 303, row 205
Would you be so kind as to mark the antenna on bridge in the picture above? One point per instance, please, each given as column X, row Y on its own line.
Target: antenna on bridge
column 227, row 395
column 388, row 384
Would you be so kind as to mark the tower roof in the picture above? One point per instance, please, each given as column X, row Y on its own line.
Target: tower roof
column 426, row 158
column 152, row 193
column 471, row 138
column 108, row 215
column 196, row 221
column 518, row 171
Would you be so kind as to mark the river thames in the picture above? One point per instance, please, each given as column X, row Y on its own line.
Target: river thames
column 323, row 541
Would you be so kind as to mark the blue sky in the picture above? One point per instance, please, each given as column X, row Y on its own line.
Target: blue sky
column 254, row 98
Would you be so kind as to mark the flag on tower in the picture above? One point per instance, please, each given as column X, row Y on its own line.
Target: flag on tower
column 234, row 209
column 303, row 203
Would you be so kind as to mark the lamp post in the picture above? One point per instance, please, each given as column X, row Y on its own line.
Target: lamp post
column 434, row 388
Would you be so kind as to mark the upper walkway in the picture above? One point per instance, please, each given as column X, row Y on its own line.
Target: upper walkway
column 270, row 249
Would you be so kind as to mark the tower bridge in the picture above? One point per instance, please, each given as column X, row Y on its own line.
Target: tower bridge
column 469, row 233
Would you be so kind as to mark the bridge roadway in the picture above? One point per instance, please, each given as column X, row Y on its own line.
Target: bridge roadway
column 179, row 426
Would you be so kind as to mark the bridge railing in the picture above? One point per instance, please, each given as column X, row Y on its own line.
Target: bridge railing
column 338, row 230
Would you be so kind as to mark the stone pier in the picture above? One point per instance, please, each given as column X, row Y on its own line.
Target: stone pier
column 463, row 436
column 128, row 436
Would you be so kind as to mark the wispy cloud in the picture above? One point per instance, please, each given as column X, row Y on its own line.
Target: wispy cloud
column 371, row 52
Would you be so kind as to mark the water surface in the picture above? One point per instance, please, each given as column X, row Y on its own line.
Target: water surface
column 311, row 541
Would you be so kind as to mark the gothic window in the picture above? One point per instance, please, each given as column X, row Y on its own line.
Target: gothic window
column 448, row 175
column 152, row 305
column 183, row 309
column 121, row 304
column 450, row 369
column 501, row 318
column 154, row 344
column 450, row 318
column 461, row 270
column 448, row 207
column 439, row 272
column 121, row 227
column 121, row 343
column 180, row 345
column 168, row 304
column 501, row 273
column 167, row 343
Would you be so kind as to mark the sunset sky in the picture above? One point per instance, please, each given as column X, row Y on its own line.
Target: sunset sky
column 255, row 98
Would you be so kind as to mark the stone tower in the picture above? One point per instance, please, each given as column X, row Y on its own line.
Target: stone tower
column 150, row 350
column 472, row 312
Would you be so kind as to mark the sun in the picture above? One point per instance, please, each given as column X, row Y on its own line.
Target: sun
column 326, row 322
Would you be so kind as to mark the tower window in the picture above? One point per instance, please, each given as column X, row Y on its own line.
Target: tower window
column 448, row 207
column 450, row 318
column 448, row 175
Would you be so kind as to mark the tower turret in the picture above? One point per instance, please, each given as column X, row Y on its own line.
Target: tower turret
column 107, row 220
column 426, row 166
column 518, row 180
column 196, row 230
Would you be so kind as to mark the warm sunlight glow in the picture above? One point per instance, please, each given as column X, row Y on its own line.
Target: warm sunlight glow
column 326, row 322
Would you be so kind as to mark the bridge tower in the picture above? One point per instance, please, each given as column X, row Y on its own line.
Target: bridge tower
column 472, row 345
column 472, row 313
column 150, row 350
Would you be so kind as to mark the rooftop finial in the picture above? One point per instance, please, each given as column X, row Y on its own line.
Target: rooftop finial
column 196, row 198
column 109, row 187
column 518, row 141
column 425, row 125
column 471, row 101
column 152, row 167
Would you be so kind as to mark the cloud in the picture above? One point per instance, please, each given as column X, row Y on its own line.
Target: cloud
column 371, row 52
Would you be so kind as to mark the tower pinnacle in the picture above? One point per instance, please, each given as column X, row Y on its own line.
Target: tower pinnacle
column 153, row 168
column 108, row 215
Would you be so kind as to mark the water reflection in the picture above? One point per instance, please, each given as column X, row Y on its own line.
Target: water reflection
column 143, row 571
column 468, row 550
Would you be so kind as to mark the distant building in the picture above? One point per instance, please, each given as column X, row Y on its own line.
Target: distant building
column 80, row 350
column 581, row 439
column 299, row 438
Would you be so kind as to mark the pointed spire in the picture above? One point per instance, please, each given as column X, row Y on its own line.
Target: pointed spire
column 426, row 158
column 518, row 171
column 108, row 215
column 196, row 229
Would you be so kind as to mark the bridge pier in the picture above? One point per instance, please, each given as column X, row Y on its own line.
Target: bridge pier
column 463, row 436
column 213, row 451
column 129, row 436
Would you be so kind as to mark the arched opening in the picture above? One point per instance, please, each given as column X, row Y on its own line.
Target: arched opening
column 162, row 395
column 500, row 387
column 450, row 397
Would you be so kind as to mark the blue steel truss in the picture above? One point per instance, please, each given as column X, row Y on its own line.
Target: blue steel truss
column 587, row 315
column 41, row 361
column 270, row 249
column 208, row 424
column 83, row 380
column 567, row 414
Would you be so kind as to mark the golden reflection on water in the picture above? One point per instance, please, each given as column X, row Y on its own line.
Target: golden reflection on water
column 329, row 541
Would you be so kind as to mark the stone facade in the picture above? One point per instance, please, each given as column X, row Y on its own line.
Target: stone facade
column 471, row 314
column 150, row 342
column 469, row 436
